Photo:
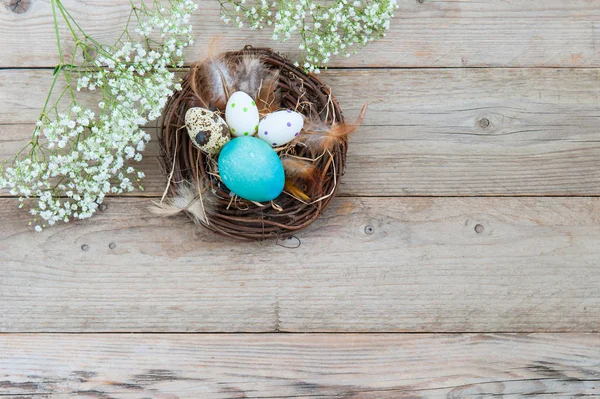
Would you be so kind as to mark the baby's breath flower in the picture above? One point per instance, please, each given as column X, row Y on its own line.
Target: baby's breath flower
column 79, row 156
column 325, row 29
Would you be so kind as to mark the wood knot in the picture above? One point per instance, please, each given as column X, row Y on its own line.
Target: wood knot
column 17, row 6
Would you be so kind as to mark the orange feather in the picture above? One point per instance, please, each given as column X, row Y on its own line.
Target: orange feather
column 319, row 137
column 295, row 191
column 299, row 169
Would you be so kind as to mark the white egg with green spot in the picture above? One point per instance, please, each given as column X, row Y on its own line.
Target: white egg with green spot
column 241, row 114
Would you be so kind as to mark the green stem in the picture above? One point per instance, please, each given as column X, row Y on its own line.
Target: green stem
column 56, row 30
column 67, row 16
column 49, row 95
column 60, row 53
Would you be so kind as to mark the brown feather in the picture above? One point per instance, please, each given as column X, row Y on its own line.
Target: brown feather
column 221, row 81
column 304, row 173
column 250, row 74
column 214, row 46
column 319, row 137
column 268, row 98
column 211, row 83
column 201, row 90
column 299, row 169
column 212, row 80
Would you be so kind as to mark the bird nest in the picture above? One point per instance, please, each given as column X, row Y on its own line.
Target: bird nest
column 195, row 187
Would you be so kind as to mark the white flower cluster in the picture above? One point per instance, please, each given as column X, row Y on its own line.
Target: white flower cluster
column 77, row 158
column 330, row 29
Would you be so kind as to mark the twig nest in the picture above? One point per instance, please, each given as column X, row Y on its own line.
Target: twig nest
column 313, row 160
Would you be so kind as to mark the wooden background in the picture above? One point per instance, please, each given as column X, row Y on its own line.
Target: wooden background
column 460, row 260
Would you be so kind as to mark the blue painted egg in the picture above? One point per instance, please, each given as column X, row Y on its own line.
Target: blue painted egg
column 251, row 169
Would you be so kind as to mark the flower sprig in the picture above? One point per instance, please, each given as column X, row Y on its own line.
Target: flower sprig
column 77, row 155
column 338, row 27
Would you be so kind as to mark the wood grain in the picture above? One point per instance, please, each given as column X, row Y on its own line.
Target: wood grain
column 427, row 132
column 496, row 33
column 294, row 366
column 371, row 264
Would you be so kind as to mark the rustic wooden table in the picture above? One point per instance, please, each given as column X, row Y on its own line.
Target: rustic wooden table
column 462, row 258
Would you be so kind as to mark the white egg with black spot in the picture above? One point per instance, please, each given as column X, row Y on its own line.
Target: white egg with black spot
column 207, row 130
column 281, row 127
column 241, row 114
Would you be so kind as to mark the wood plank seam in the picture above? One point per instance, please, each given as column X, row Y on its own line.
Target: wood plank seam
column 367, row 265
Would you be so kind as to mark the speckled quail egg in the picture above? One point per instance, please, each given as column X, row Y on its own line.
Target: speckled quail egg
column 207, row 130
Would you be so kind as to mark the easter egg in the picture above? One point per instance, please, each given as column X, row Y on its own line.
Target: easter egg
column 241, row 114
column 281, row 127
column 251, row 169
column 207, row 130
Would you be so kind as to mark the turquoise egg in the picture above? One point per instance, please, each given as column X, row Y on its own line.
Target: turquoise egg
column 251, row 169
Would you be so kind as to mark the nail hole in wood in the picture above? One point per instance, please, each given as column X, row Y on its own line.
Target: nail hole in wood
column 369, row 229
column 484, row 123
column 478, row 229
column 102, row 207
column 112, row 245
column 85, row 247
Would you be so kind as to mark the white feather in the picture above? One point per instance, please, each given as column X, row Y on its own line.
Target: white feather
column 187, row 199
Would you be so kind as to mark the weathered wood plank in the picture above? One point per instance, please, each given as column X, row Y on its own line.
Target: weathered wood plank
column 427, row 132
column 429, row 265
column 424, row 33
column 421, row 98
column 365, row 366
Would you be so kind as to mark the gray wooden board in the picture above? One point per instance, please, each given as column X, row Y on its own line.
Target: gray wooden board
column 427, row 132
column 369, row 264
column 427, row 265
column 544, row 33
column 363, row 366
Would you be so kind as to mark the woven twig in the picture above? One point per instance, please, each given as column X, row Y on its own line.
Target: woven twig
column 235, row 217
